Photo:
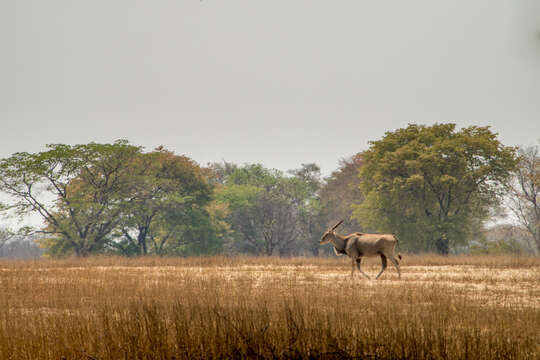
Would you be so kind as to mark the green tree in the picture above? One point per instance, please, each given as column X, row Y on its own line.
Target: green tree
column 269, row 212
column 220, row 172
column 308, row 184
column 431, row 184
column 88, row 182
column 170, row 193
column 114, row 198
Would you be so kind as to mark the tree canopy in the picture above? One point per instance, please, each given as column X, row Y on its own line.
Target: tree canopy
column 270, row 212
column 89, row 183
column 109, row 197
column 432, row 184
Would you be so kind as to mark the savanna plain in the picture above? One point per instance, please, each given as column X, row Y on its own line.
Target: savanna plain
column 455, row 307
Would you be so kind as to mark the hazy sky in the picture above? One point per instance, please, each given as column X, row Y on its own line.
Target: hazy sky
column 276, row 82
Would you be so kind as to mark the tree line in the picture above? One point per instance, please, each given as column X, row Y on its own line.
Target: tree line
column 435, row 187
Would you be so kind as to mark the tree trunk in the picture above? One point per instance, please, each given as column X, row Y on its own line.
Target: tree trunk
column 81, row 252
column 442, row 246
column 141, row 238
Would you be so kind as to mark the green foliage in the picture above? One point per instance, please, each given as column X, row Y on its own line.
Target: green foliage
column 168, row 190
column 270, row 212
column 200, row 235
column 238, row 196
column 113, row 198
column 432, row 183
column 89, row 186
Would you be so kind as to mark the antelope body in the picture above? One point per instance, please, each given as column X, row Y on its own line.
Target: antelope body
column 358, row 245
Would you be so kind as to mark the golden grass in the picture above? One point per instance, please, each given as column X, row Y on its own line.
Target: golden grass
column 480, row 307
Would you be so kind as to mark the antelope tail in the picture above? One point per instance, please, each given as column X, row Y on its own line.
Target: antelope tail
column 397, row 242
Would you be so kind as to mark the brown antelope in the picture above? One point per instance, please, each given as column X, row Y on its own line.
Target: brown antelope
column 358, row 245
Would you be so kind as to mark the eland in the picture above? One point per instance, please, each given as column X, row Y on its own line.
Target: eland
column 358, row 245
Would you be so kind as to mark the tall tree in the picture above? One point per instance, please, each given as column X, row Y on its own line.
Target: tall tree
column 309, row 184
column 90, row 186
column 268, row 210
column 524, row 194
column 431, row 184
column 167, row 189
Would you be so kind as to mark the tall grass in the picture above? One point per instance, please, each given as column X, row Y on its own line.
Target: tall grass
column 246, row 307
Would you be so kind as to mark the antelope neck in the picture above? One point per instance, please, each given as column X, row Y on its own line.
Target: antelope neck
column 339, row 242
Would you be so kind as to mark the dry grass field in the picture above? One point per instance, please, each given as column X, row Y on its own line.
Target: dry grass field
column 460, row 307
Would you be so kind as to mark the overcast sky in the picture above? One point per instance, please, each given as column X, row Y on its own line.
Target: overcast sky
column 273, row 82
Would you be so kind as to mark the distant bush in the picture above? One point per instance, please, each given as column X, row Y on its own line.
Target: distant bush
column 21, row 247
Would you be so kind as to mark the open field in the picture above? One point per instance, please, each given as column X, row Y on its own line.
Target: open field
column 480, row 307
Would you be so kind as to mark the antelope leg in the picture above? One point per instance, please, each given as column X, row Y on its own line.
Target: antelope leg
column 396, row 264
column 383, row 259
column 358, row 261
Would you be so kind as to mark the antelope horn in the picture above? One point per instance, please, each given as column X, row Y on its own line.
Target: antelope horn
column 335, row 226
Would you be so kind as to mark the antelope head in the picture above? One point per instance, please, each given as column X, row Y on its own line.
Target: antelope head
column 326, row 236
